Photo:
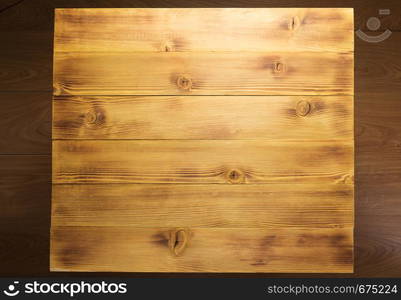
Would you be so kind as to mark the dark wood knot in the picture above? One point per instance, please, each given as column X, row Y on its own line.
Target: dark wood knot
column 303, row 108
column 168, row 47
column 235, row 176
column 278, row 67
column 184, row 83
column 294, row 23
column 178, row 241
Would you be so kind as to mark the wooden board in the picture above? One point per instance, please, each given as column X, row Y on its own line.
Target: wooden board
column 88, row 248
column 206, row 161
column 231, row 206
column 32, row 113
column 192, row 149
column 204, row 29
column 203, row 73
column 209, row 117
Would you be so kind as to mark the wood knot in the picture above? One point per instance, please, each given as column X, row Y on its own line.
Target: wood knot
column 57, row 89
column 294, row 23
column 168, row 47
column 178, row 241
column 94, row 117
column 278, row 67
column 235, row 176
column 184, row 83
column 346, row 179
column 303, row 108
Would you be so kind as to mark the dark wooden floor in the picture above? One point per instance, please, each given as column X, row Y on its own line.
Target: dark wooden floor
column 26, row 31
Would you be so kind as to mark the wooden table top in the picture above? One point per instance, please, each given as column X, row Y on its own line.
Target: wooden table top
column 203, row 140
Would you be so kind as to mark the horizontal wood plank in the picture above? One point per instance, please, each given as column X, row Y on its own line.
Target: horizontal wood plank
column 152, row 205
column 207, row 161
column 203, row 73
column 128, row 248
column 204, row 29
column 208, row 117
column 41, row 16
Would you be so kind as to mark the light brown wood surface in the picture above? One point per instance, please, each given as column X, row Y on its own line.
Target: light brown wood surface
column 203, row 161
column 210, row 73
column 209, row 117
column 203, row 140
column 139, row 205
column 89, row 248
column 204, row 29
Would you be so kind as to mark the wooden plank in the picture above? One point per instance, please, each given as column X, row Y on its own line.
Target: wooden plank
column 378, row 122
column 206, row 161
column 377, row 66
column 35, row 42
column 22, row 70
column 208, row 117
column 203, row 73
column 41, row 16
column 24, row 248
column 378, row 244
column 375, row 200
column 204, row 29
column 25, row 123
column 26, row 63
column 153, row 205
column 25, row 189
column 281, row 250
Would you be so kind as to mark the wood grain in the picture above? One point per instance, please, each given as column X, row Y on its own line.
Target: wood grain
column 204, row 29
column 216, row 161
column 25, row 191
column 26, row 63
column 170, row 205
column 192, row 117
column 25, row 123
column 210, row 73
column 245, row 250
column 378, row 68
column 378, row 245
column 25, row 71
column 379, row 121
column 179, row 188
column 24, row 250
column 31, row 16
column 171, row 186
